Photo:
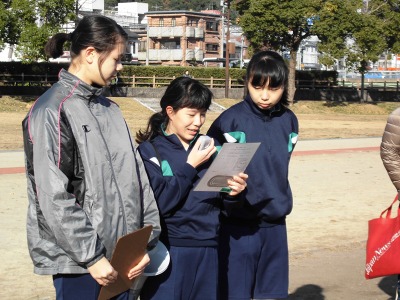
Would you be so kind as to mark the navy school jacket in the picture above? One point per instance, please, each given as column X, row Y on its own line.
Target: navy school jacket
column 268, row 197
column 188, row 218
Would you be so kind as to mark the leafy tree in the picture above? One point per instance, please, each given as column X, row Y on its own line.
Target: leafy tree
column 368, row 45
column 369, row 33
column 14, row 16
column 32, row 41
column 391, row 13
column 29, row 24
column 110, row 4
column 278, row 25
column 344, row 27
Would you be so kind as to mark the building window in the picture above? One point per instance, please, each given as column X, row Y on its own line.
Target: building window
column 170, row 45
column 212, row 47
column 173, row 22
column 142, row 46
column 131, row 47
column 212, row 26
column 191, row 22
column 161, row 22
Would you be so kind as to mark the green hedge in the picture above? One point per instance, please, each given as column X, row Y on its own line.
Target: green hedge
column 16, row 68
column 170, row 71
column 319, row 76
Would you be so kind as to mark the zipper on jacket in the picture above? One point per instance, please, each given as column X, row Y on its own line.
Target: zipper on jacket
column 268, row 119
column 112, row 168
column 86, row 129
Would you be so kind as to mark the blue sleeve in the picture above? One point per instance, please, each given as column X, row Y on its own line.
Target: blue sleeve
column 233, row 202
column 216, row 132
column 170, row 191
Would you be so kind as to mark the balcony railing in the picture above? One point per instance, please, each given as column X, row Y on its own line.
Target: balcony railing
column 175, row 31
column 162, row 54
column 171, row 55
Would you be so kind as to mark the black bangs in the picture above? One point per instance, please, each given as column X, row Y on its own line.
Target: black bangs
column 186, row 92
column 268, row 70
column 197, row 97
column 268, row 67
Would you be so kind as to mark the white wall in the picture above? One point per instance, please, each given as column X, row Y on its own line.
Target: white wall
column 132, row 8
column 7, row 54
column 90, row 5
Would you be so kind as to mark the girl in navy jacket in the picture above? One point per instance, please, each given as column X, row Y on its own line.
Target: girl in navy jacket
column 253, row 242
column 190, row 220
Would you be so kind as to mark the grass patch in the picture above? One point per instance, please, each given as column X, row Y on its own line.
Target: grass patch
column 346, row 108
column 317, row 119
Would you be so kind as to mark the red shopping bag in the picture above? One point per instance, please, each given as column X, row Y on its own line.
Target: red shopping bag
column 383, row 244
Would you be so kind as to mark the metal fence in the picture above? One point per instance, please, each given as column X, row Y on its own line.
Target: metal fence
column 27, row 80
column 123, row 81
column 154, row 81
column 134, row 81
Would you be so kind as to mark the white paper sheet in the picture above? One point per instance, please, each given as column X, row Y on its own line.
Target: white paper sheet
column 231, row 160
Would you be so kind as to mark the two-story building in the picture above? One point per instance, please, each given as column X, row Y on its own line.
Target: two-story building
column 180, row 37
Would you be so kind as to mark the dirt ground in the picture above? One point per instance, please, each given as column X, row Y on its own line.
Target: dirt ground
column 334, row 196
column 316, row 119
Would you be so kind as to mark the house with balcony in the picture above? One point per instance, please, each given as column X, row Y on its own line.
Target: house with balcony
column 180, row 38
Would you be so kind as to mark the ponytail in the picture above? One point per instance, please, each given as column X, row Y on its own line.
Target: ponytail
column 99, row 32
column 54, row 46
column 154, row 128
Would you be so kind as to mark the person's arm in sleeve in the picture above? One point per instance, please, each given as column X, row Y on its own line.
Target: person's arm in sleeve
column 68, row 222
column 150, row 211
column 390, row 148
column 215, row 132
column 171, row 191
column 237, row 196
column 294, row 135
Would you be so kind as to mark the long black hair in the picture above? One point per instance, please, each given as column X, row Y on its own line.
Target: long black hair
column 97, row 31
column 268, row 66
column 182, row 92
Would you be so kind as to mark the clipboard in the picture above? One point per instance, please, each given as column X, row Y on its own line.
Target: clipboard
column 128, row 252
column 231, row 160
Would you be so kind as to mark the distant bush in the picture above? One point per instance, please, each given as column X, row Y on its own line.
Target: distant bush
column 16, row 68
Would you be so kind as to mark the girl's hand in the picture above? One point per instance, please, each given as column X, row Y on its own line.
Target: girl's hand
column 139, row 268
column 103, row 272
column 197, row 157
column 237, row 184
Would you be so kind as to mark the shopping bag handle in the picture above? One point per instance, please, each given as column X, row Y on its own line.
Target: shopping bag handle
column 389, row 209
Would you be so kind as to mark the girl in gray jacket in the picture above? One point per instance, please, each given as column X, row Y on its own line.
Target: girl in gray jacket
column 87, row 186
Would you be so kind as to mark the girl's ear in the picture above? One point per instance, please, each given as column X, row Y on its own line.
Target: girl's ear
column 89, row 54
column 169, row 110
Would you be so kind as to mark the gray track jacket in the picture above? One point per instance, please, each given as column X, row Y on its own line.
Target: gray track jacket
column 87, row 185
column 390, row 148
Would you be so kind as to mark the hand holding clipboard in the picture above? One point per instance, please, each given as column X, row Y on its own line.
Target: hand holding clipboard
column 128, row 252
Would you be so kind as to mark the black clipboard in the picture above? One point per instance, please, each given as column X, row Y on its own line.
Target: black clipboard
column 128, row 252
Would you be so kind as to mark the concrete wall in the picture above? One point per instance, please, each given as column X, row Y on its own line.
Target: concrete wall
column 336, row 94
column 346, row 95
column 158, row 92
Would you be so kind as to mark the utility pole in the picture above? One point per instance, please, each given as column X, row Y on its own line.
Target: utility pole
column 228, row 15
column 241, row 50
column 147, row 44
column 221, row 45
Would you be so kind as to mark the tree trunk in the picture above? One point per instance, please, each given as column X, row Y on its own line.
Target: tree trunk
column 362, row 87
column 10, row 52
column 292, row 76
